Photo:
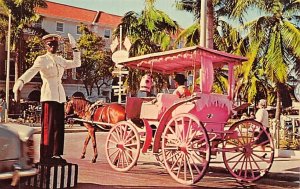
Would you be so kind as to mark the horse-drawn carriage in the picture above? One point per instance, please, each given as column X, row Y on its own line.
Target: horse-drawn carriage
column 184, row 133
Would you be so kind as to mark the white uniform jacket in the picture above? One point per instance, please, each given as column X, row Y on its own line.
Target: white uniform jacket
column 51, row 68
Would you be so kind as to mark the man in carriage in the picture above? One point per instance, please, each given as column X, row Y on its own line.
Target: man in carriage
column 181, row 89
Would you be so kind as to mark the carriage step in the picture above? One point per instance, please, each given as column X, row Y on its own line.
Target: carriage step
column 52, row 176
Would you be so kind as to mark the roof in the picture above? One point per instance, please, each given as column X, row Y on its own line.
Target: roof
column 80, row 14
column 179, row 60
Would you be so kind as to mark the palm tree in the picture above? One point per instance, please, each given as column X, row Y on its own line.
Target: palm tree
column 220, row 34
column 274, row 39
column 192, row 33
column 23, row 16
column 149, row 32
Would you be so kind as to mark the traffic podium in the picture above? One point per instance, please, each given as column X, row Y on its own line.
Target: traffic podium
column 54, row 176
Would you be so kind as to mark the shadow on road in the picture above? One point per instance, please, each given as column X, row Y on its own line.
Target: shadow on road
column 94, row 186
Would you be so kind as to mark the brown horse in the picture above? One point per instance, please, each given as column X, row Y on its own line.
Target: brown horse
column 98, row 112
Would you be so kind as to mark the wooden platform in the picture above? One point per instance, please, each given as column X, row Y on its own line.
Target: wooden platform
column 54, row 176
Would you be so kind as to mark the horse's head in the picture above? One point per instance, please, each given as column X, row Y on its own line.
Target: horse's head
column 78, row 106
column 146, row 83
column 69, row 107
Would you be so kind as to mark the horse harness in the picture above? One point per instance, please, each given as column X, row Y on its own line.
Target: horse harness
column 95, row 106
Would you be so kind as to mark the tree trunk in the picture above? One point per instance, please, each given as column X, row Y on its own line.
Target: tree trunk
column 86, row 88
column 277, row 117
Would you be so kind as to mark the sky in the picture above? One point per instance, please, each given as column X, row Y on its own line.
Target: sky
column 120, row 7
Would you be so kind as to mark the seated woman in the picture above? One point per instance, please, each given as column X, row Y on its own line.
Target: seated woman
column 181, row 90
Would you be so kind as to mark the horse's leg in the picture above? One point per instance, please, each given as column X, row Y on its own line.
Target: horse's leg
column 93, row 135
column 86, row 142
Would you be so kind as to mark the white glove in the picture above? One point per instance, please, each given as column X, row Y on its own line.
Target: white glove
column 18, row 86
column 72, row 41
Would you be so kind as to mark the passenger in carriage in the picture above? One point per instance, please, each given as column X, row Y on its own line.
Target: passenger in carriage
column 145, row 86
column 181, row 90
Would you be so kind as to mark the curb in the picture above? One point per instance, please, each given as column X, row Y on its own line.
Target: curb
column 291, row 177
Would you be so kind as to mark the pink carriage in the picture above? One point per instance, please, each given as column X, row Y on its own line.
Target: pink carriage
column 185, row 133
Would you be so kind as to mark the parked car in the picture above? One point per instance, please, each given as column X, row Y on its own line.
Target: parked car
column 16, row 153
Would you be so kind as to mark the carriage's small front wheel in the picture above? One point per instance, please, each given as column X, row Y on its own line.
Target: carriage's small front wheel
column 185, row 148
column 248, row 150
column 122, row 146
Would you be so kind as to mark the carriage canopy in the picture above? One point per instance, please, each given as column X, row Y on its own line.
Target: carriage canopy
column 183, row 59
column 186, row 59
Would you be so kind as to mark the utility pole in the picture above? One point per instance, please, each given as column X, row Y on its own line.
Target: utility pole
column 8, row 67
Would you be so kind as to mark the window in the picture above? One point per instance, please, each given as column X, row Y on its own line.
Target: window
column 78, row 30
column 38, row 24
column 59, row 27
column 107, row 33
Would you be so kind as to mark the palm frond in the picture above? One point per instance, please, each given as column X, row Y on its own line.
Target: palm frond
column 291, row 37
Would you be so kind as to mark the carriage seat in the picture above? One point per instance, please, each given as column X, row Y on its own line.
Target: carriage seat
column 155, row 108
column 133, row 106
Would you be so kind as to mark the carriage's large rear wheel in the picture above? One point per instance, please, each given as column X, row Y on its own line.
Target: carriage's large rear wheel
column 248, row 150
column 122, row 146
column 185, row 148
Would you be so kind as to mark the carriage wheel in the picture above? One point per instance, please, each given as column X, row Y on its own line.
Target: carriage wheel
column 249, row 151
column 122, row 146
column 185, row 148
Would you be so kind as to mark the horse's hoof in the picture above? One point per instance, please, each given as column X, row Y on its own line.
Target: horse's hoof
column 93, row 160
column 82, row 157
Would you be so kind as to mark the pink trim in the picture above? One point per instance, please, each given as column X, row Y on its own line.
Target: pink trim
column 148, row 136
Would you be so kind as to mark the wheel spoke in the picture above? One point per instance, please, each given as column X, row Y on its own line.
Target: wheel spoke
column 130, row 149
column 255, row 163
column 116, row 158
column 246, row 167
column 177, row 129
column 128, row 135
column 175, row 163
column 131, row 138
column 172, row 156
column 113, row 153
column 132, row 144
column 115, row 137
column 265, row 160
column 241, row 168
column 199, row 158
column 195, row 165
column 235, row 156
column 115, row 142
column 189, row 130
column 184, row 168
column 126, row 157
column 190, row 167
column 129, row 155
column 179, row 168
column 125, row 131
column 237, row 161
column 174, row 133
column 251, row 168
column 118, row 133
